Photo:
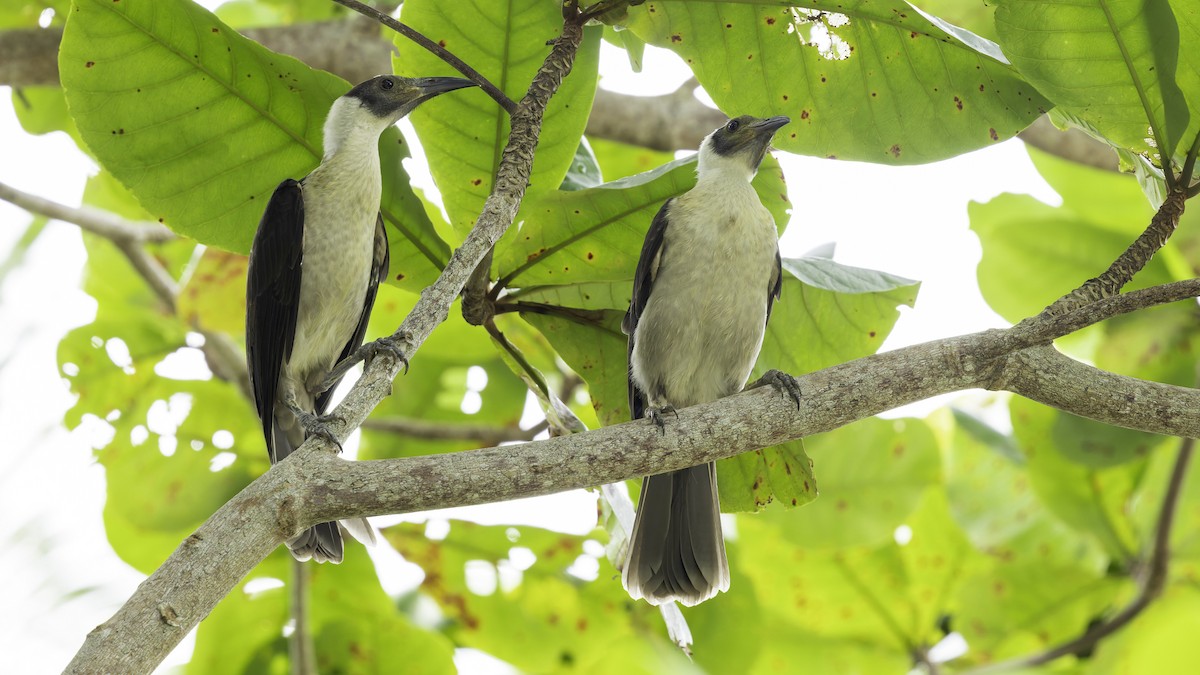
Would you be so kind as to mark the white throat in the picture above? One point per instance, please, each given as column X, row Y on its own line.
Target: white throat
column 351, row 126
column 714, row 166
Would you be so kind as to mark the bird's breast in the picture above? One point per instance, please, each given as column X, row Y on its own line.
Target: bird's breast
column 703, row 326
column 341, row 206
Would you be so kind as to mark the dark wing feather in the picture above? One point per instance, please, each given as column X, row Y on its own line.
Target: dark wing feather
column 272, row 297
column 379, row 272
column 776, row 285
column 643, row 281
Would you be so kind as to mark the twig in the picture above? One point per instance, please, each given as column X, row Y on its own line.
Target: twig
column 1151, row 585
column 437, row 50
column 302, row 655
column 452, row 431
column 1131, row 260
column 96, row 221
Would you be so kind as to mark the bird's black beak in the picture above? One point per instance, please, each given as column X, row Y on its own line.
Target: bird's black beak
column 432, row 86
column 770, row 125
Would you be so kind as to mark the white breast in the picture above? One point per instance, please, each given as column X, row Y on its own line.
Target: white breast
column 703, row 326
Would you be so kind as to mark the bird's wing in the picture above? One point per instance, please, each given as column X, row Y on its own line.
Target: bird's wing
column 273, row 296
column 776, row 283
column 643, row 281
column 379, row 270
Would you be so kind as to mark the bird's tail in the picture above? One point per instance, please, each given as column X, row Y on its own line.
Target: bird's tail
column 677, row 551
column 322, row 542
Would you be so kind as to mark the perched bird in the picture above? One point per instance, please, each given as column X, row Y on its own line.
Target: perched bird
column 315, row 265
column 708, row 274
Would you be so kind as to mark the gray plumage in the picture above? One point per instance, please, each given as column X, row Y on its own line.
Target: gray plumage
column 317, row 259
column 707, row 277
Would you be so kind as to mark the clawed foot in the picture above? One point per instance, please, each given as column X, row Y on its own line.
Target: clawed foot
column 657, row 415
column 318, row 425
column 366, row 352
column 785, row 383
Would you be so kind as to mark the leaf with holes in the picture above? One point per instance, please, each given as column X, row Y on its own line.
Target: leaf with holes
column 873, row 80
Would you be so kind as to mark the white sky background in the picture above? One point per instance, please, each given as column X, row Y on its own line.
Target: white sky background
column 59, row 572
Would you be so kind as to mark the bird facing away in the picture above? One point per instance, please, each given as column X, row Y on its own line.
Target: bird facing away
column 708, row 274
column 315, row 265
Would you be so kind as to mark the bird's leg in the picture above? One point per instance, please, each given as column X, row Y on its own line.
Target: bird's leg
column 785, row 383
column 657, row 414
column 366, row 352
column 314, row 424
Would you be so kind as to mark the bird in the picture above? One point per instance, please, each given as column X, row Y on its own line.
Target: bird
column 315, row 265
column 703, row 289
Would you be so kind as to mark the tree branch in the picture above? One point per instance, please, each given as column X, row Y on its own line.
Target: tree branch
column 310, row 487
column 452, row 431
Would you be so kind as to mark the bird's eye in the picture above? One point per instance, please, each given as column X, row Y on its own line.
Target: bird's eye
column 732, row 126
column 386, row 83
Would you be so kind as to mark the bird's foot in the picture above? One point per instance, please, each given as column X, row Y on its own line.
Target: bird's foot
column 366, row 352
column 386, row 344
column 318, row 425
column 658, row 416
column 785, row 383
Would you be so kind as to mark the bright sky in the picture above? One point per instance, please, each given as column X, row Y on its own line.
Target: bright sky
column 910, row 221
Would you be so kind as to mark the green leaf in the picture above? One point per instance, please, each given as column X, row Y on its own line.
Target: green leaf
column 873, row 473
column 619, row 160
column 597, row 352
column 418, row 253
column 584, row 171
column 464, row 134
column 1090, row 500
column 596, row 234
column 1161, row 640
column 867, row 80
column 539, row 618
column 41, row 110
column 199, row 122
column 1033, row 252
column 244, row 632
column 1124, row 66
column 829, row 313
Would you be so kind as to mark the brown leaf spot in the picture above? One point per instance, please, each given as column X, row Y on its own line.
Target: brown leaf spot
column 770, row 21
column 958, row 103
column 895, row 150
column 841, row 505
column 590, row 255
column 871, row 334
column 552, row 619
column 785, row 97
column 993, row 134
column 898, row 450
column 399, row 277
column 676, row 38
column 215, row 29
column 477, row 181
column 803, row 114
column 581, row 624
column 89, row 64
column 912, row 35
column 442, row 44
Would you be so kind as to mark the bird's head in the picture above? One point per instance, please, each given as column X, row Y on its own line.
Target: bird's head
column 373, row 106
column 740, row 145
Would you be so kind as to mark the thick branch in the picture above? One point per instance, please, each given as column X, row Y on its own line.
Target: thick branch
column 451, row 431
column 675, row 121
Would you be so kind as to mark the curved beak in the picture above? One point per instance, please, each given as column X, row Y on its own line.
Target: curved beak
column 432, row 86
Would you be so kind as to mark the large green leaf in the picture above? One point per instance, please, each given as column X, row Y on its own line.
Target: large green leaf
column 198, row 121
column 1161, row 640
column 1126, row 67
column 1033, row 252
column 464, row 136
column 201, row 124
column 873, row 473
column 861, row 79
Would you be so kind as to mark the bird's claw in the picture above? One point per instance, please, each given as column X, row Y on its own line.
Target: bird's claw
column 388, row 344
column 785, row 383
column 318, row 425
column 658, row 416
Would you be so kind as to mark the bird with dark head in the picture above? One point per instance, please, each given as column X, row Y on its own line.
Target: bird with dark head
column 708, row 274
column 317, row 259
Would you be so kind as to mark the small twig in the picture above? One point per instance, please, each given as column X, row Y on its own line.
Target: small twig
column 1131, row 260
column 99, row 222
column 300, row 645
column 437, row 50
column 1151, row 585
column 453, row 431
